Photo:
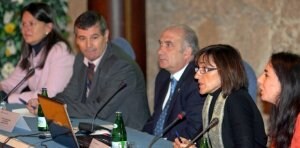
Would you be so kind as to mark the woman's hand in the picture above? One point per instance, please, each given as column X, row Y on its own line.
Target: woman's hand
column 185, row 142
column 32, row 106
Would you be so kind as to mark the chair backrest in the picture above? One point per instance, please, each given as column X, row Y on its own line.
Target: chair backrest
column 125, row 45
column 252, row 80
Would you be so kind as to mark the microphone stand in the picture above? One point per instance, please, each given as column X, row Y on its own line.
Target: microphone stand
column 123, row 85
column 88, row 128
column 28, row 75
column 212, row 123
column 180, row 116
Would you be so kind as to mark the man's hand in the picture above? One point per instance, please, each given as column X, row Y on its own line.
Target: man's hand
column 185, row 142
column 32, row 106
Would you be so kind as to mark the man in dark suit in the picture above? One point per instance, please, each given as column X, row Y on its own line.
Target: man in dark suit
column 175, row 54
column 100, row 69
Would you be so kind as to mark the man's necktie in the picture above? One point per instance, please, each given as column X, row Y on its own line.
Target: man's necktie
column 161, row 121
column 90, row 74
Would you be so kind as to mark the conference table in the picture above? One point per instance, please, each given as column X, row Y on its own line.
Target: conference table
column 137, row 138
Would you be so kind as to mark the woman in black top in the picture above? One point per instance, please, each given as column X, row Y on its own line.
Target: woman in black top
column 221, row 76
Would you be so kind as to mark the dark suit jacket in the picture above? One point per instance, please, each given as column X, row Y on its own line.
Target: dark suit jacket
column 186, row 98
column 242, row 126
column 114, row 68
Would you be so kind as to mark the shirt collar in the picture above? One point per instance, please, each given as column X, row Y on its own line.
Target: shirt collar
column 216, row 92
column 95, row 62
column 38, row 47
column 179, row 73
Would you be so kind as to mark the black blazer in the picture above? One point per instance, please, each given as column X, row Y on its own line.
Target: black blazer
column 186, row 98
column 242, row 125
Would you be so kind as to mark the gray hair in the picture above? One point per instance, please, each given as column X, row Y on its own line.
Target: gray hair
column 190, row 37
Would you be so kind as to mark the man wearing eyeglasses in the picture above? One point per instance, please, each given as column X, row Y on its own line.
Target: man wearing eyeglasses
column 175, row 87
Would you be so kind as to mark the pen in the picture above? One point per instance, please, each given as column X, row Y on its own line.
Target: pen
column 178, row 137
column 25, row 103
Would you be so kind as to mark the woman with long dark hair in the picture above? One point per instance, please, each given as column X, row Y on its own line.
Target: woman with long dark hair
column 44, row 52
column 280, row 86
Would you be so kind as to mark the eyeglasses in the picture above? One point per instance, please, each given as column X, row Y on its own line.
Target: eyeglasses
column 204, row 70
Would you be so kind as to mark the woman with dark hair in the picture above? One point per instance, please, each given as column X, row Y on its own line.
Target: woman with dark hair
column 280, row 86
column 221, row 75
column 44, row 51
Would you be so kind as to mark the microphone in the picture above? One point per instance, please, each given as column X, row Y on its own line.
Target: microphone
column 180, row 116
column 28, row 75
column 88, row 128
column 212, row 123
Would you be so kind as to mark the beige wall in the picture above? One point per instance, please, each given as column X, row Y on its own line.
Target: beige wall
column 76, row 7
column 256, row 27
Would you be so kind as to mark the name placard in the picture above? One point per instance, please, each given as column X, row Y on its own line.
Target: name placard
column 10, row 120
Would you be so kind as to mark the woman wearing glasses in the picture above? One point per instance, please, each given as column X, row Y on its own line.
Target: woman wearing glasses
column 221, row 76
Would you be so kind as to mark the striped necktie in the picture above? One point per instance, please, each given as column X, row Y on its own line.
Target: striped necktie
column 90, row 74
column 161, row 121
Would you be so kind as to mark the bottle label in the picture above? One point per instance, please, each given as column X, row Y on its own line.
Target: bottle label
column 115, row 125
column 42, row 122
column 119, row 144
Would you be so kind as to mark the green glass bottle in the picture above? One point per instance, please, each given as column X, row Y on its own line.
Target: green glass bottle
column 203, row 143
column 42, row 124
column 119, row 137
